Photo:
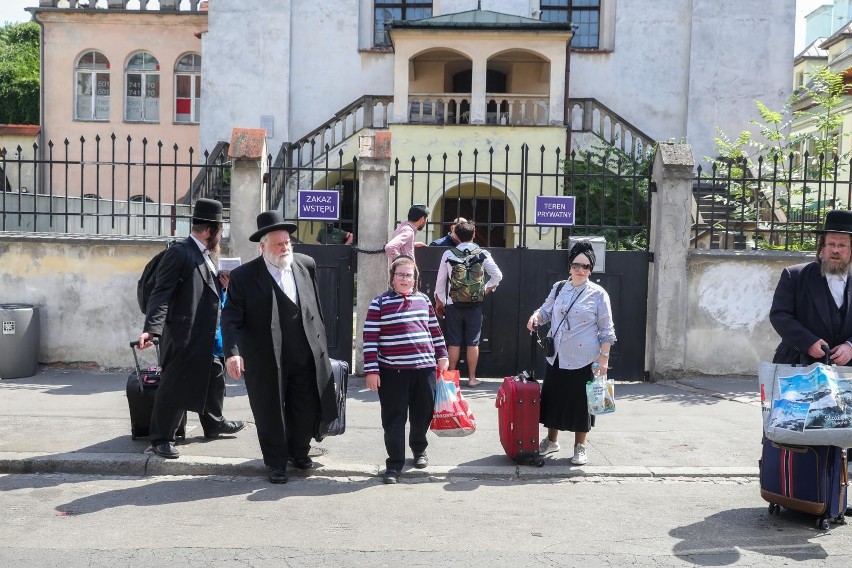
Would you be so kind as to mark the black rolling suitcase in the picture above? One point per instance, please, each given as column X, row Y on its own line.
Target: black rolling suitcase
column 141, row 388
column 340, row 378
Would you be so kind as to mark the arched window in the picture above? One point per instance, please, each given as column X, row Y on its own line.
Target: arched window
column 188, row 89
column 92, row 94
column 142, row 89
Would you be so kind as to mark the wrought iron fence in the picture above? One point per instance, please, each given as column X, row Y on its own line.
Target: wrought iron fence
column 109, row 187
column 772, row 204
column 299, row 167
column 498, row 189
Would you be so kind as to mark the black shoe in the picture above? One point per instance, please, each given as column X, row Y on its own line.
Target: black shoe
column 421, row 461
column 302, row 463
column 277, row 474
column 164, row 450
column 391, row 477
column 226, row 427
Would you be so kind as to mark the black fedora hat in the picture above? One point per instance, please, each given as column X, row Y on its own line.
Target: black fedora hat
column 269, row 221
column 837, row 221
column 207, row 210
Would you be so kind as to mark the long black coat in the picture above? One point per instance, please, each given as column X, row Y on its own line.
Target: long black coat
column 251, row 328
column 800, row 312
column 183, row 310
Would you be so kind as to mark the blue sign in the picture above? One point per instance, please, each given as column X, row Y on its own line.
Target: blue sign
column 319, row 205
column 557, row 210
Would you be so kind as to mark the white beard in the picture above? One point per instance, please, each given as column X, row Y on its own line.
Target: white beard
column 282, row 263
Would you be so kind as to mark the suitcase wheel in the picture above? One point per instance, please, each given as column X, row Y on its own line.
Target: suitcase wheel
column 539, row 462
column 774, row 509
column 824, row 524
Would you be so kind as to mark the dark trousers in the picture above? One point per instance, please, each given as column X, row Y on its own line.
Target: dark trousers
column 285, row 425
column 406, row 394
column 166, row 418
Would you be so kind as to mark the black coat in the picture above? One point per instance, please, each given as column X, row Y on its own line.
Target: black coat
column 183, row 310
column 800, row 313
column 251, row 328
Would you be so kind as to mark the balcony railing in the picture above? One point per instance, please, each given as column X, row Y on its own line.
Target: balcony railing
column 501, row 109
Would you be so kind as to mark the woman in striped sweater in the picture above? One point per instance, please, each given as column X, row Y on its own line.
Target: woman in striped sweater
column 402, row 346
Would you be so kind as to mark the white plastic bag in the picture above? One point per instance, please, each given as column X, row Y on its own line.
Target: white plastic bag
column 600, row 394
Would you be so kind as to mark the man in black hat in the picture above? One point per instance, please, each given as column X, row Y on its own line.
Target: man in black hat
column 812, row 306
column 273, row 332
column 183, row 311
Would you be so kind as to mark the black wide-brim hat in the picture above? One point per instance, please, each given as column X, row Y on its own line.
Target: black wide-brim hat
column 269, row 221
column 837, row 221
column 207, row 210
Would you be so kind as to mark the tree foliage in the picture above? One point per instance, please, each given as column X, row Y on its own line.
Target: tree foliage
column 19, row 73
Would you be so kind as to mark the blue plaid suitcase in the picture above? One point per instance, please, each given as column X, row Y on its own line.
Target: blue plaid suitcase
column 810, row 479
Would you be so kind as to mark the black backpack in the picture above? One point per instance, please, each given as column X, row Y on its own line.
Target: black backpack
column 148, row 280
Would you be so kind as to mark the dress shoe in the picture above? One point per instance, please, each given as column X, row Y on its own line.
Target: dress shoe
column 226, row 427
column 164, row 450
column 421, row 461
column 391, row 477
column 277, row 474
column 302, row 463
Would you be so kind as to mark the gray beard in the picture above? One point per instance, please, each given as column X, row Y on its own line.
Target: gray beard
column 280, row 263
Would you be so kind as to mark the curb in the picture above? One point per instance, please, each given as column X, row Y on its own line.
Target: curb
column 142, row 465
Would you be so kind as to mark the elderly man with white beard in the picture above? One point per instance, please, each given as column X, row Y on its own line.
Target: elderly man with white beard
column 812, row 306
column 273, row 333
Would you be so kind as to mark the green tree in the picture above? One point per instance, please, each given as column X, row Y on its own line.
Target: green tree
column 19, row 73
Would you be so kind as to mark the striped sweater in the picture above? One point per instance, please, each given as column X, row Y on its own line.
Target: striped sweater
column 402, row 333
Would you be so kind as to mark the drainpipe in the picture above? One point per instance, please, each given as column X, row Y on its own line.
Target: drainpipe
column 41, row 134
column 566, row 104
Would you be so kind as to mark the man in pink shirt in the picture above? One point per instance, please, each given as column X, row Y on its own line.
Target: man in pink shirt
column 402, row 242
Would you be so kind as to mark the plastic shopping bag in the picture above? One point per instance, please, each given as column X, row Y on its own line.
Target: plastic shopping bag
column 452, row 415
column 806, row 405
column 600, row 394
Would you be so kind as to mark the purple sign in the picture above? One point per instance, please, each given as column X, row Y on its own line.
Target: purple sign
column 319, row 205
column 554, row 210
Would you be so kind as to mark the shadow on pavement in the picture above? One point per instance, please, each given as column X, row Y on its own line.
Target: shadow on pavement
column 718, row 539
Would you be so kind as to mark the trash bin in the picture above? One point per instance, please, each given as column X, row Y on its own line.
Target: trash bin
column 19, row 340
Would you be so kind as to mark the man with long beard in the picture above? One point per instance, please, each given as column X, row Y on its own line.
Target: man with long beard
column 273, row 332
column 183, row 310
column 812, row 306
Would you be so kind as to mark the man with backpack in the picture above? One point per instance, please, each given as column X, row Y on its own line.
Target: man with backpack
column 182, row 309
column 460, row 290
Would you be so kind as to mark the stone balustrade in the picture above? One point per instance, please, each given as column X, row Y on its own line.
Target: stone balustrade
column 146, row 5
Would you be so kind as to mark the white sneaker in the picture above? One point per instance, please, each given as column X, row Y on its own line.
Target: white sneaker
column 579, row 455
column 548, row 447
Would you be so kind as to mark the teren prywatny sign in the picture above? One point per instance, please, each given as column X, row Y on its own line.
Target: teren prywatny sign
column 554, row 210
column 319, row 205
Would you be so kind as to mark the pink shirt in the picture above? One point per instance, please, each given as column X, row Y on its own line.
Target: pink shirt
column 402, row 241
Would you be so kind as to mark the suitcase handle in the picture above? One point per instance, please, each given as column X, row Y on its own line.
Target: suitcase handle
column 133, row 344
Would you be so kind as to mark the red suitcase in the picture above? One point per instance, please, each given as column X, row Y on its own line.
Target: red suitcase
column 518, row 404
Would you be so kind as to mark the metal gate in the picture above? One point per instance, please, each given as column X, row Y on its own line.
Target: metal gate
column 336, row 282
column 528, row 275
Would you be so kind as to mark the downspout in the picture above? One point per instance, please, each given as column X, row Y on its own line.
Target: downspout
column 566, row 104
column 41, row 130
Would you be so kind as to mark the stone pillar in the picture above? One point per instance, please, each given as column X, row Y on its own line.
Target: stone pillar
column 248, row 191
column 374, row 167
column 478, row 104
column 669, row 239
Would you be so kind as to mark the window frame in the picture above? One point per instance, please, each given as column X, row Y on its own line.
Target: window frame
column 194, row 75
column 404, row 7
column 145, row 76
column 548, row 6
column 94, row 75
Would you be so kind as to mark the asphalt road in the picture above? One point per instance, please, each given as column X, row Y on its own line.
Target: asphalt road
column 97, row 521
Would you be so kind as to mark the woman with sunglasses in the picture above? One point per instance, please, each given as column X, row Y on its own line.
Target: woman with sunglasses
column 402, row 346
column 581, row 326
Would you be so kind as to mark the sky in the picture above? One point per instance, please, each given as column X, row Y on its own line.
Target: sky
column 13, row 11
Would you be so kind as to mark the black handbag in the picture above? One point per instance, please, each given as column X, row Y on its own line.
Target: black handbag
column 340, row 382
column 549, row 346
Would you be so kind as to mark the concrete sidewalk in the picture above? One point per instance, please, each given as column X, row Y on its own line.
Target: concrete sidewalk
column 77, row 421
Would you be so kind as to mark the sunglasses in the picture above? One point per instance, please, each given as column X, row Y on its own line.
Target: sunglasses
column 578, row 266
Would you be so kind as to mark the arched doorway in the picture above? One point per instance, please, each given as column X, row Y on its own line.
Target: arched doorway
column 483, row 204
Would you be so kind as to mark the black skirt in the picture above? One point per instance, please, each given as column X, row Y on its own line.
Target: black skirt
column 563, row 399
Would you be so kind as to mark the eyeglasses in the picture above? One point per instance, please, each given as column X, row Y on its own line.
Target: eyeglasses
column 404, row 276
column 578, row 266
